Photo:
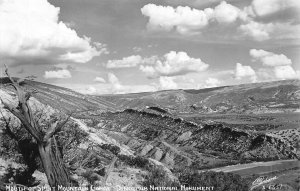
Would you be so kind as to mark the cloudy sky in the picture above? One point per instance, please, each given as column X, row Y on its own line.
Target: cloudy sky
column 121, row 46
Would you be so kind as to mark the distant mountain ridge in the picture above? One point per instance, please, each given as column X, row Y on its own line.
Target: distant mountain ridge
column 267, row 97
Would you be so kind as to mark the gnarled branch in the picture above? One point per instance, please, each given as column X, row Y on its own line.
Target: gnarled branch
column 56, row 127
column 23, row 120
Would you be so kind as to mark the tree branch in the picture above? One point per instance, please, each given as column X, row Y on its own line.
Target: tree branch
column 23, row 111
column 23, row 120
column 55, row 128
column 23, row 97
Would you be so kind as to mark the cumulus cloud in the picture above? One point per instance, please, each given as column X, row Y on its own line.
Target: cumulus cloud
column 266, row 20
column 90, row 90
column 182, row 18
column 166, row 83
column 114, row 81
column 174, row 64
column 31, row 29
column 212, row 82
column 245, row 72
column 102, row 47
column 261, row 31
column 160, row 16
column 278, row 66
column 268, row 7
column 265, row 74
column 285, row 72
column 58, row 74
column 257, row 31
column 186, row 19
column 126, row 62
column 270, row 58
column 248, row 21
column 99, row 80
column 149, row 71
column 271, row 19
column 185, row 82
column 117, row 87
column 226, row 13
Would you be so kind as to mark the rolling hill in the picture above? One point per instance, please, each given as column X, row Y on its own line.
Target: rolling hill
column 268, row 97
column 61, row 98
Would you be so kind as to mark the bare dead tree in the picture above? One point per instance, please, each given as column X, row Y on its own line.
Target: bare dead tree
column 51, row 158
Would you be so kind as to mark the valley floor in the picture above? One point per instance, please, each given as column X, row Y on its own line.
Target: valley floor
column 260, row 167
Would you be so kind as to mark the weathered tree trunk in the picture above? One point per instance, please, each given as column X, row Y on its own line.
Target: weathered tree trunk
column 50, row 155
column 53, row 164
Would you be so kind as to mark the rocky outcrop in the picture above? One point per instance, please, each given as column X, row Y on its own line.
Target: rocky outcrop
column 169, row 175
column 177, row 142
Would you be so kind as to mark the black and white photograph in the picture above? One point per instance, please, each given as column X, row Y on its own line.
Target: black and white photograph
column 149, row 95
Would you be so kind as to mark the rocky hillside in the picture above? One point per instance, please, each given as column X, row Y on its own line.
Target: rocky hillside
column 177, row 142
column 60, row 98
column 87, row 154
column 269, row 97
